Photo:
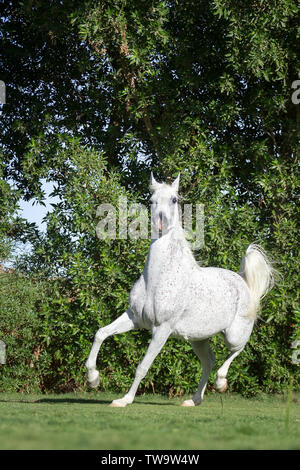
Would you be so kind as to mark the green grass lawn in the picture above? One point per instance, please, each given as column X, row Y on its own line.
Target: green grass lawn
column 84, row 421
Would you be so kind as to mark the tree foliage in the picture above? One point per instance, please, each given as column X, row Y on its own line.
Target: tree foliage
column 99, row 93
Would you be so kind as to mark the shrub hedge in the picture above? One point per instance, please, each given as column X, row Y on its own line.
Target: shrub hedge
column 48, row 320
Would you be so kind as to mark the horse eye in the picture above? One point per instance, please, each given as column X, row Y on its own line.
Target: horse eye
column 174, row 200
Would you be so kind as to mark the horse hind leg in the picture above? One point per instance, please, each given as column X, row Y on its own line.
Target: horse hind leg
column 221, row 382
column 205, row 354
column 122, row 324
column 236, row 338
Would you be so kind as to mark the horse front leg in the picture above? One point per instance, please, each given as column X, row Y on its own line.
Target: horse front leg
column 121, row 325
column 159, row 338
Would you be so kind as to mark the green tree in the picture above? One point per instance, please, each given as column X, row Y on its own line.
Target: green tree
column 98, row 94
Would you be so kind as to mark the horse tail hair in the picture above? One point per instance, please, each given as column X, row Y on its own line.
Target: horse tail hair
column 258, row 274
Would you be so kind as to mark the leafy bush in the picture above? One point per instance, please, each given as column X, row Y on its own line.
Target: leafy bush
column 201, row 88
column 49, row 324
column 22, row 302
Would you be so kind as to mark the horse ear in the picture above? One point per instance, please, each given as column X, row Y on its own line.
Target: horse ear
column 153, row 183
column 175, row 184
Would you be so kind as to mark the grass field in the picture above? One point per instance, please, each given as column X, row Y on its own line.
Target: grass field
column 84, row 421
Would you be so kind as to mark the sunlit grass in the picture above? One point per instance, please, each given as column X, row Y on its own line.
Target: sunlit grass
column 84, row 421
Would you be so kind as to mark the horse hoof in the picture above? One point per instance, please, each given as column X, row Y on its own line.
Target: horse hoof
column 95, row 382
column 118, row 404
column 223, row 389
column 221, row 385
column 188, row 403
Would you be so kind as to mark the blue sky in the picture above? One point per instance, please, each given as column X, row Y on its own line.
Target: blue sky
column 36, row 212
column 33, row 213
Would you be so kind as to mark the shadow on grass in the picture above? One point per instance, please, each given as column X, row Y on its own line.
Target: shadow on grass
column 60, row 400
column 83, row 401
column 95, row 402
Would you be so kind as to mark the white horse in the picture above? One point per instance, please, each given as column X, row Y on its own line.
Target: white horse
column 176, row 297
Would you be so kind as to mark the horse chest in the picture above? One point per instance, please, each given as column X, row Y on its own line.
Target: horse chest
column 157, row 296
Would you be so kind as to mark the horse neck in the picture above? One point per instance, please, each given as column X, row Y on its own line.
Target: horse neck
column 170, row 248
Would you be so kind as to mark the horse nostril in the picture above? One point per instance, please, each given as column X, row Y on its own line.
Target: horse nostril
column 160, row 221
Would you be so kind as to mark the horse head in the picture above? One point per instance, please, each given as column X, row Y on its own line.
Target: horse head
column 164, row 205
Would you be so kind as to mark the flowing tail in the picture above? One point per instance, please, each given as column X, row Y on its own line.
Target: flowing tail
column 258, row 273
